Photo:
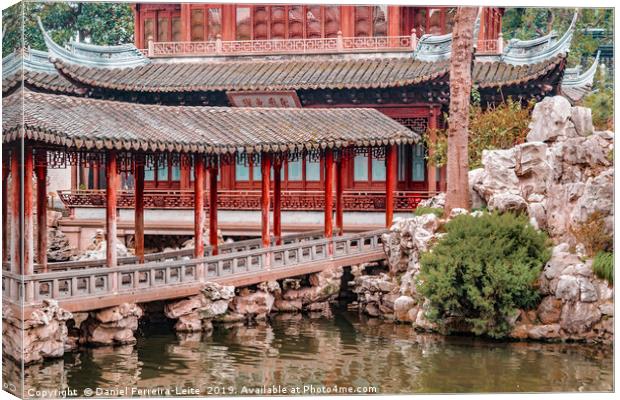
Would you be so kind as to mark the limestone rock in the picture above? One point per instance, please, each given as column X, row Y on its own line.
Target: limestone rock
column 578, row 317
column 257, row 304
column 113, row 325
column 58, row 246
column 42, row 335
column 582, row 119
column 547, row 332
column 567, row 288
column 504, row 202
column 550, row 120
column 549, row 310
column 402, row 305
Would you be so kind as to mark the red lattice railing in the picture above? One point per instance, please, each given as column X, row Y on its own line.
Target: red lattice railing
column 245, row 199
column 281, row 46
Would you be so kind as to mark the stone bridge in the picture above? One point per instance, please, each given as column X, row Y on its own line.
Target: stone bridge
column 80, row 286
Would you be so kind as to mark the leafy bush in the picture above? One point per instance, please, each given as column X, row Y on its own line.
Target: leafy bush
column 496, row 127
column 603, row 266
column 602, row 104
column 428, row 210
column 482, row 271
column 593, row 235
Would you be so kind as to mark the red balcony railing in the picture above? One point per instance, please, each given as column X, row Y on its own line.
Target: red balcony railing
column 245, row 199
column 337, row 44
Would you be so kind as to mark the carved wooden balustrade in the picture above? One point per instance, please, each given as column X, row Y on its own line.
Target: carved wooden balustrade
column 286, row 260
column 308, row 200
column 337, row 44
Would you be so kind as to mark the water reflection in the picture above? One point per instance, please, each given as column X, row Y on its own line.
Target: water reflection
column 346, row 351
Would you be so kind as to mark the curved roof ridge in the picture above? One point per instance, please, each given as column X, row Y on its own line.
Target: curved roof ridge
column 91, row 55
column 575, row 85
column 519, row 52
column 30, row 59
column 574, row 78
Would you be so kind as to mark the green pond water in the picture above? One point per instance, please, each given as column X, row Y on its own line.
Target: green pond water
column 295, row 354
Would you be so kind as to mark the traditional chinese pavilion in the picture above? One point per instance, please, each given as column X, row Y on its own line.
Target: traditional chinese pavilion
column 237, row 81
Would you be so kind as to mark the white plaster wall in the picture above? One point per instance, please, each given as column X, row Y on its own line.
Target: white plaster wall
column 241, row 216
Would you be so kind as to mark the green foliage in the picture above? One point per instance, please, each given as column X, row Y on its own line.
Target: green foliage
column 497, row 127
column 602, row 104
column 97, row 23
column 593, row 235
column 482, row 271
column 428, row 210
column 603, row 266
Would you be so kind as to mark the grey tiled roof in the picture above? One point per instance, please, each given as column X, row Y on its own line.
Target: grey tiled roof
column 88, row 123
column 296, row 74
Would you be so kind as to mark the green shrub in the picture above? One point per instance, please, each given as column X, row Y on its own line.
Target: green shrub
column 428, row 210
column 602, row 104
column 482, row 271
column 603, row 266
column 494, row 127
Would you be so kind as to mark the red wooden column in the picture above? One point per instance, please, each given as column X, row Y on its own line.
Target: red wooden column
column 96, row 176
column 5, row 207
column 213, row 171
column 277, row 201
column 74, row 177
column 390, row 184
column 41, row 169
column 430, row 165
column 265, row 167
column 339, row 198
column 111, row 175
column 28, row 241
column 199, row 205
column 16, row 215
column 328, row 159
column 139, row 206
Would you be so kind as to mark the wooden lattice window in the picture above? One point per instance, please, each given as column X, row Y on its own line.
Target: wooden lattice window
column 205, row 23
column 287, row 22
column 371, row 20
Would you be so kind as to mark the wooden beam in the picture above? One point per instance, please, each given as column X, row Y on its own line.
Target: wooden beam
column 328, row 159
column 390, row 184
column 213, row 171
column 340, row 171
column 28, row 241
column 199, row 205
column 265, row 167
column 139, row 207
column 41, row 169
column 277, row 201
column 110, row 211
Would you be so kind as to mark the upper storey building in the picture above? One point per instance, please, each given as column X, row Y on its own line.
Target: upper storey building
column 303, row 25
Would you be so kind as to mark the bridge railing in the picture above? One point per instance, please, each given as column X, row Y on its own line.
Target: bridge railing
column 226, row 248
column 127, row 279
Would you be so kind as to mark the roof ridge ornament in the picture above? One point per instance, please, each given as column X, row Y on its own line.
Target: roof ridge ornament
column 519, row 52
column 433, row 48
column 90, row 55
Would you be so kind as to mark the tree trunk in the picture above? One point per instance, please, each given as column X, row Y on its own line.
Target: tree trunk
column 457, row 193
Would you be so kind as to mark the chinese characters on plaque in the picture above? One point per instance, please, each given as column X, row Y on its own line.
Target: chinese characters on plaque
column 279, row 99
